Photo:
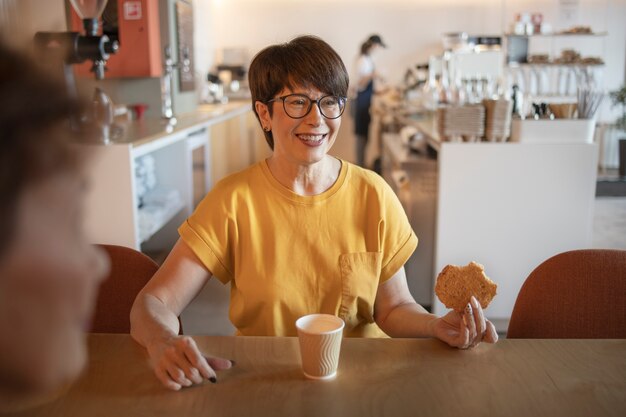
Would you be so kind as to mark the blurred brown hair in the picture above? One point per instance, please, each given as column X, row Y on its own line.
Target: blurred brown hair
column 305, row 61
column 366, row 46
column 35, row 133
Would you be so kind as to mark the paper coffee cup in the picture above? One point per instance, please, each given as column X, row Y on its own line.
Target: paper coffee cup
column 320, row 342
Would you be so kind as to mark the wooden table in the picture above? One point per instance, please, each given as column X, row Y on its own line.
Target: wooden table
column 377, row 377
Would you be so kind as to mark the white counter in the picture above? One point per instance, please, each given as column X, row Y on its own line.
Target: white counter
column 508, row 206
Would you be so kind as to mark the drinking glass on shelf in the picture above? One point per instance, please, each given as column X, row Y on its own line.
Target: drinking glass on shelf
column 466, row 86
column 561, row 80
column 445, row 81
column 543, row 79
column 507, row 81
column 483, row 88
column 458, row 90
column 520, row 80
column 530, row 80
column 469, row 90
column 492, row 85
column 430, row 91
column 571, row 81
column 443, row 92
column 478, row 89
column 552, row 72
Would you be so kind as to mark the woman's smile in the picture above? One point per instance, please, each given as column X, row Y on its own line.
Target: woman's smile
column 312, row 139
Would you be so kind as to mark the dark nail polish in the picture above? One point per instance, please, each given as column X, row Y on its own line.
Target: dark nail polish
column 213, row 380
column 232, row 362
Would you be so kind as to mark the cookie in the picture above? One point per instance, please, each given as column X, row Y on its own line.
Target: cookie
column 456, row 285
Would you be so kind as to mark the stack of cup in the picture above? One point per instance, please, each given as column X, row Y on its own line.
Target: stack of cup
column 498, row 119
column 455, row 123
column 563, row 110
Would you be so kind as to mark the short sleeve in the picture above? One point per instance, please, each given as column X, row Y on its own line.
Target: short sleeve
column 211, row 232
column 364, row 67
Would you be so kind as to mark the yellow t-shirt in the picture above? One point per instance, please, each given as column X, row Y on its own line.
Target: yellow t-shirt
column 287, row 255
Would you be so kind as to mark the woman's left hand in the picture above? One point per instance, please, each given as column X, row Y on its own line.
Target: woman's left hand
column 465, row 330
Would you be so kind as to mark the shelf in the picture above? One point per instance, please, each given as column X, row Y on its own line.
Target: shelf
column 551, row 64
column 157, row 218
column 518, row 51
column 556, row 35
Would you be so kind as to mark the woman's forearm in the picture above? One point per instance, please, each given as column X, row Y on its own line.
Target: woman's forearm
column 407, row 320
column 151, row 320
column 397, row 313
column 154, row 315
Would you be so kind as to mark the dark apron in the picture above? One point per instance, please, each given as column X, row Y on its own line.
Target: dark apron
column 362, row 116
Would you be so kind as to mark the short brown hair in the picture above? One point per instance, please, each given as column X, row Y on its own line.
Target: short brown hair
column 304, row 61
column 35, row 132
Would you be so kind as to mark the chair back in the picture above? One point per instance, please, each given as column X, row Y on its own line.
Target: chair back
column 130, row 272
column 579, row 294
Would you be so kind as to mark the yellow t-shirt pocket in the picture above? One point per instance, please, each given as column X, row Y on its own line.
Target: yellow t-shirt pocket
column 360, row 273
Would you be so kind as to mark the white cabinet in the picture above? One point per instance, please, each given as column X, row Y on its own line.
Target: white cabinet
column 121, row 211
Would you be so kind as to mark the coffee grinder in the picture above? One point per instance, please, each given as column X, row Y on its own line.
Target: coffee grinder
column 74, row 48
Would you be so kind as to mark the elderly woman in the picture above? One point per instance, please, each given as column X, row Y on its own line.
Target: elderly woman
column 301, row 232
column 49, row 274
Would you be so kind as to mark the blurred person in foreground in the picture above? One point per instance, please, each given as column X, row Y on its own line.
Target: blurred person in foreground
column 49, row 274
column 301, row 232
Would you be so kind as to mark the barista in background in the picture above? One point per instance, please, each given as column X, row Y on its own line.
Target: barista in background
column 49, row 273
column 365, row 77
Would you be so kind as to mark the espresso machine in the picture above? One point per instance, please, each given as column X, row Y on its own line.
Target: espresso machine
column 231, row 72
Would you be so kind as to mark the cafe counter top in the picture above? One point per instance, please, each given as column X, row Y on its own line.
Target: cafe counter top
column 376, row 377
column 143, row 131
column 426, row 123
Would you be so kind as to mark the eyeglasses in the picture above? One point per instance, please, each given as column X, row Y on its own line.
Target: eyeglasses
column 298, row 105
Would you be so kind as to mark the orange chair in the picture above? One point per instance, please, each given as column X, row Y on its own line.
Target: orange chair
column 579, row 294
column 130, row 271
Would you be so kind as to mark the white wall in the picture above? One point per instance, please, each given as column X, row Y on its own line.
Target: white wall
column 21, row 19
column 411, row 28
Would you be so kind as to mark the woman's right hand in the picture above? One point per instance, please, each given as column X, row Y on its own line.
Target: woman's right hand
column 176, row 359
column 178, row 363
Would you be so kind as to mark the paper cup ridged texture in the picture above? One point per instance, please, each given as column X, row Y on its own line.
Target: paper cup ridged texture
column 320, row 344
